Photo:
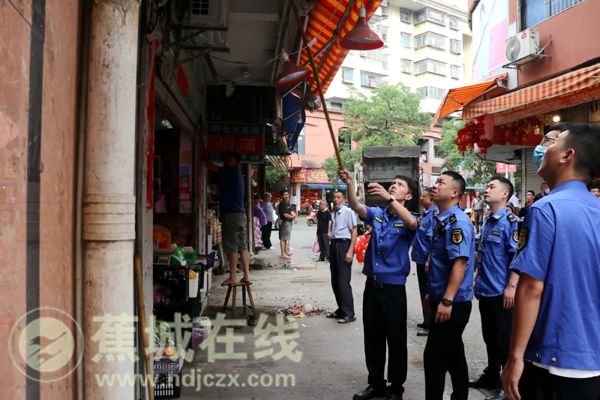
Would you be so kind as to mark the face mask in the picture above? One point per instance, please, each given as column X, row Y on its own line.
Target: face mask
column 538, row 154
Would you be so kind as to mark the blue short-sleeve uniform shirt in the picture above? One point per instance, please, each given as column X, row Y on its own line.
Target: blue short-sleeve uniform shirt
column 231, row 190
column 420, row 249
column 386, row 258
column 498, row 244
column 559, row 244
column 453, row 237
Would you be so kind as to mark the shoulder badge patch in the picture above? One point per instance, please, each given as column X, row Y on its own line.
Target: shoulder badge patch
column 523, row 236
column 516, row 236
column 378, row 219
column 452, row 218
column 511, row 217
column 457, row 236
column 435, row 213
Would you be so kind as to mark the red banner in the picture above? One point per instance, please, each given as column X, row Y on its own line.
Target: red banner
column 502, row 168
column 308, row 176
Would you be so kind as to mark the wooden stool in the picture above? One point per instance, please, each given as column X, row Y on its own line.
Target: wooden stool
column 245, row 286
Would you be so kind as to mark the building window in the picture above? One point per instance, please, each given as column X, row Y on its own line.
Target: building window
column 429, row 65
column 430, row 15
column 406, row 16
column 453, row 22
column 370, row 79
column 406, row 39
column 455, row 71
column 344, row 142
column 406, row 66
column 335, row 105
column 372, row 54
column 302, row 142
column 430, row 39
column 428, row 92
column 347, row 75
column 455, row 46
column 384, row 11
column 535, row 11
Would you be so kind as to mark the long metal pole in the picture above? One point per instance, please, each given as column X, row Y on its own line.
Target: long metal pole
column 319, row 87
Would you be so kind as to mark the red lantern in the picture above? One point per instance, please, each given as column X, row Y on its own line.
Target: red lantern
column 484, row 144
column 470, row 140
column 481, row 133
column 462, row 149
column 480, row 125
column 481, row 118
column 458, row 141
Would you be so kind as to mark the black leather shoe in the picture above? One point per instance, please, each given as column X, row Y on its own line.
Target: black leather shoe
column 370, row 393
column 498, row 395
column 422, row 325
column 483, row 382
column 393, row 396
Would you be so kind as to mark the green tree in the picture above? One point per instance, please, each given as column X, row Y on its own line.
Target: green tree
column 275, row 174
column 389, row 116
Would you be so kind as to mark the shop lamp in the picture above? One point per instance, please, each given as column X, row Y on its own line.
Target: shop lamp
column 361, row 37
column 556, row 118
column 291, row 73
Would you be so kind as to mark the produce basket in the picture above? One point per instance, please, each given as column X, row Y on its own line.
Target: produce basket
column 167, row 376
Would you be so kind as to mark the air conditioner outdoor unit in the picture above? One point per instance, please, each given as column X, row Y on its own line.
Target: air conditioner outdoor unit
column 523, row 47
column 209, row 12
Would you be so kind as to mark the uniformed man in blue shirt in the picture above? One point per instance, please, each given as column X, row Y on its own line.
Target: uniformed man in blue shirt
column 420, row 252
column 450, row 269
column 495, row 284
column 555, row 346
column 386, row 266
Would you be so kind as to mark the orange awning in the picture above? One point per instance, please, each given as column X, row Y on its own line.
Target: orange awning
column 566, row 84
column 324, row 18
column 458, row 98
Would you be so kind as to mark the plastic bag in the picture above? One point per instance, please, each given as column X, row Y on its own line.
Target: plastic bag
column 316, row 248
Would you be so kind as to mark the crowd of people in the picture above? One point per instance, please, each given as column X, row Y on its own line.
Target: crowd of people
column 536, row 278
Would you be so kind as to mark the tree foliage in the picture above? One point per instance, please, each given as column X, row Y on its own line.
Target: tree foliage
column 389, row 116
column 275, row 174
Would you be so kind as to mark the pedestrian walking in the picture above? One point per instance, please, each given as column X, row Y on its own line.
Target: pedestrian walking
column 323, row 230
column 386, row 267
column 478, row 208
column 555, row 344
column 450, row 270
column 267, row 208
column 341, row 254
column 495, row 284
column 287, row 217
column 420, row 253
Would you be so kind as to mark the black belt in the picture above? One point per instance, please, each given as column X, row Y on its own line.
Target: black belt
column 233, row 212
column 381, row 285
column 339, row 240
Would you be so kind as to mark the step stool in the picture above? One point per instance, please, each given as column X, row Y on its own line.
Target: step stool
column 245, row 286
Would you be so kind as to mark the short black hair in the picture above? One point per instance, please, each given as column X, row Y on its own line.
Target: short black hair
column 411, row 184
column 596, row 186
column 428, row 191
column 585, row 140
column 511, row 207
column 531, row 191
column 505, row 183
column 235, row 155
column 542, row 185
column 562, row 126
column 284, row 191
column 340, row 192
column 458, row 178
column 256, row 197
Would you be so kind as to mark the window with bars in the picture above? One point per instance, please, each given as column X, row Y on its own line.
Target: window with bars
column 429, row 92
column 406, row 66
column 455, row 46
column 347, row 75
column 373, row 54
column 535, row 11
column 406, row 39
column 453, row 22
column 430, row 39
column 406, row 16
column 431, row 66
column 429, row 15
column 455, row 71
column 370, row 79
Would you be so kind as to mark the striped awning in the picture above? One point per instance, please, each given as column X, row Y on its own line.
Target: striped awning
column 551, row 89
column 457, row 98
column 323, row 20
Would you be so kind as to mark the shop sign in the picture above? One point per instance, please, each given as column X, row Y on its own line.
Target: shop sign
column 309, row 176
column 501, row 168
column 248, row 140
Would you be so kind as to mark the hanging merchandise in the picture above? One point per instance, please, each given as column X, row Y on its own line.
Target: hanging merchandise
column 361, row 37
column 294, row 118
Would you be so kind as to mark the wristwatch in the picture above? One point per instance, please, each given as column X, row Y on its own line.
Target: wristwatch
column 392, row 199
column 447, row 302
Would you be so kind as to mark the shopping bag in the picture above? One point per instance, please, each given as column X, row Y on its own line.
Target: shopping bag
column 316, row 248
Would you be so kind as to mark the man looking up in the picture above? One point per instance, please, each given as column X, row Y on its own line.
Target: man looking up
column 384, row 300
column 495, row 284
column 420, row 252
column 450, row 269
column 555, row 346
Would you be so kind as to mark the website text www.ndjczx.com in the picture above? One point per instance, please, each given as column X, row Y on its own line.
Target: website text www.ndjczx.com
column 198, row 380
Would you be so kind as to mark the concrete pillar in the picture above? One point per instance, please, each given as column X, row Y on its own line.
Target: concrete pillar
column 109, row 200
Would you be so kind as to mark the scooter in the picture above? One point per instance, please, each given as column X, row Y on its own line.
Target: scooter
column 312, row 218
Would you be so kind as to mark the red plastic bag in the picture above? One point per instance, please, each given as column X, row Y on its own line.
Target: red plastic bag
column 316, row 248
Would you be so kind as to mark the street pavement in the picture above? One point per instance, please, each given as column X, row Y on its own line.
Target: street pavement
column 332, row 362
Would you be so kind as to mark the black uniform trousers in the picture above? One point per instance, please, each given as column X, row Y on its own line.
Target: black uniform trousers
column 384, row 321
column 423, row 288
column 445, row 352
column 324, row 246
column 341, row 273
column 266, row 235
column 539, row 384
column 496, row 325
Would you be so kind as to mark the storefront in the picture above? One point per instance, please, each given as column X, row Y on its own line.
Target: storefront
column 310, row 185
